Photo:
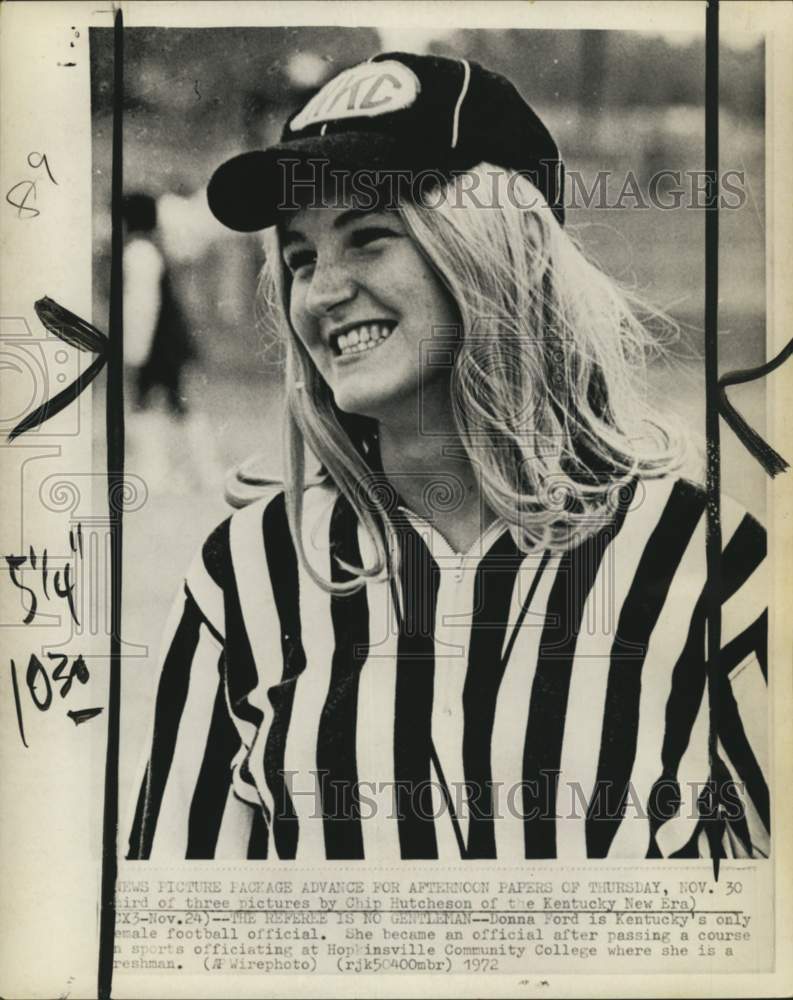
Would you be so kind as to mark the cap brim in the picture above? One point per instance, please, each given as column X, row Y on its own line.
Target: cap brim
column 247, row 192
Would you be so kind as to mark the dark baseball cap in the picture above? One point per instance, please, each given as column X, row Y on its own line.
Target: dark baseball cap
column 399, row 112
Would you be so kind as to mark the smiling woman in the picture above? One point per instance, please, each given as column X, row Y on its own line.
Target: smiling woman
column 481, row 633
column 357, row 279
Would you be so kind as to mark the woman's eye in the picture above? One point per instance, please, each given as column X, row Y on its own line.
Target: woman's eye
column 300, row 259
column 362, row 237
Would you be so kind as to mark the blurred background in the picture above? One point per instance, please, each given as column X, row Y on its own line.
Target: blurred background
column 615, row 101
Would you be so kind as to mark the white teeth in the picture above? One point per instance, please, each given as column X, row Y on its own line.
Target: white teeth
column 363, row 338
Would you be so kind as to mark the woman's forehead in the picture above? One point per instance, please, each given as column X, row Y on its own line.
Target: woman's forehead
column 320, row 218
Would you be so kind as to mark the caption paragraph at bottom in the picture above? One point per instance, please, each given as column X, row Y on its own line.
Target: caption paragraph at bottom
column 494, row 922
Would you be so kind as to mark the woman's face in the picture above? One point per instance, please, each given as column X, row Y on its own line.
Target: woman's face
column 365, row 303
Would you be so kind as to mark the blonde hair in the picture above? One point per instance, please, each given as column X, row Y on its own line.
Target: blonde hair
column 548, row 383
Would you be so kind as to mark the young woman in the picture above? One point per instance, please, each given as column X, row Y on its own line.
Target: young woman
column 479, row 632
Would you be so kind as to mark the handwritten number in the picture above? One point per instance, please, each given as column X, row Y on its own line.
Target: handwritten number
column 35, row 672
column 18, row 702
column 22, row 206
column 62, row 582
column 66, row 590
column 42, row 162
column 57, row 673
column 79, row 670
column 19, row 195
column 14, row 563
column 40, row 686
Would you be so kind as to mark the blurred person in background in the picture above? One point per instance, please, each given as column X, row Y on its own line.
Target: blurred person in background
column 158, row 348
column 482, row 633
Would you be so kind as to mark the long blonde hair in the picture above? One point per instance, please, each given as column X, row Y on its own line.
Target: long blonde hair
column 548, row 384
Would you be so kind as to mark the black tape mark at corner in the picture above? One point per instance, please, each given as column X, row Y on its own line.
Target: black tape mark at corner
column 713, row 822
column 771, row 460
column 115, row 480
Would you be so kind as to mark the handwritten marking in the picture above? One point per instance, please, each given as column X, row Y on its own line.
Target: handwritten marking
column 42, row 162
column 771, row 460
column 54, row 406
column 63, row 585
column 80, row 715
column 18, row 702
column 29, row 188
column 36, row 673
column 22, row 206
column 67, row 326
column 40, row 686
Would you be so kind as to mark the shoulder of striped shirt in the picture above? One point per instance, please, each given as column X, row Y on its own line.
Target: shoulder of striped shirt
column 732, row 511
column 256, row 477
column 213, row 569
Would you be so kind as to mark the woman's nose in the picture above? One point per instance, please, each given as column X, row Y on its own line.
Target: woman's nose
column 331, row 285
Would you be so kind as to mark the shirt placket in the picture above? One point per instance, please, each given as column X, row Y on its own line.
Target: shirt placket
column 457, row 572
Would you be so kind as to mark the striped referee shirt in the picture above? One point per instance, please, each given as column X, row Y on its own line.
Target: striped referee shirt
column 487, row 705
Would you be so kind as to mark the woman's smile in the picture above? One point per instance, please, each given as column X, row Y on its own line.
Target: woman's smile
column 360, row 338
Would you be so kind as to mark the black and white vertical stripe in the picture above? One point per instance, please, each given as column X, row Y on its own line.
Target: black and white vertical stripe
column 497, row 705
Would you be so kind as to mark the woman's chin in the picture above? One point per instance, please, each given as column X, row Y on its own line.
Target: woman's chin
column 364, row 402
